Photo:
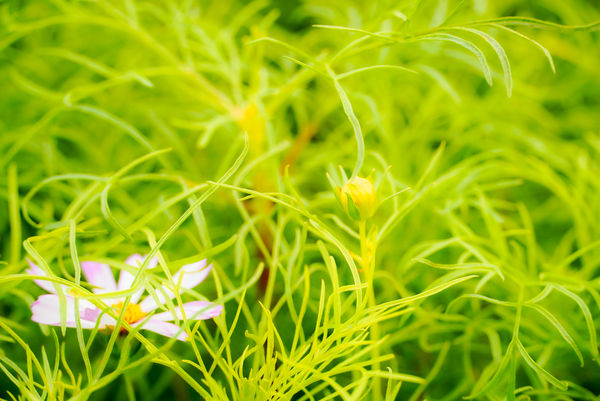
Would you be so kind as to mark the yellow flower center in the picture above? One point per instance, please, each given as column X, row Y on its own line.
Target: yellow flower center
column 74, row 292
column 133, row 313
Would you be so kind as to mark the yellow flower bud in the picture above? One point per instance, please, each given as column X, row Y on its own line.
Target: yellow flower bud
column 357, row 196
column 251, row 121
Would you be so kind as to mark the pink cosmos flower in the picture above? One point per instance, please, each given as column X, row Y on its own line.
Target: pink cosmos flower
column 46, row 309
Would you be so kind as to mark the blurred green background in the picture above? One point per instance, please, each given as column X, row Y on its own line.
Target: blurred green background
column 505, row 187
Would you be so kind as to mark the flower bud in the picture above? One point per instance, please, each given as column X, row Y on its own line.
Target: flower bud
column 357, row 196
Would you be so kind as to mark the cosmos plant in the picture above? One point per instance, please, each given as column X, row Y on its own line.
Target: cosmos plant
column 334, row 200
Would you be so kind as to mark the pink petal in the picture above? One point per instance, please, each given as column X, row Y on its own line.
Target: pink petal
column 149, row 304
column 196, row 310
column 193, row 274
column 46, row 310
column 126, row 278
column 163, row 328
column 100, row 276
column 136, row 260
column 35, row 270
column 187, row 277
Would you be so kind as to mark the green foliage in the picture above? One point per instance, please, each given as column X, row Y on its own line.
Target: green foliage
column 191, row 130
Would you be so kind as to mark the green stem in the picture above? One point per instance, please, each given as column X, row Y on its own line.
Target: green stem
column 14, row 216
column 368, row 266
column 360, row 143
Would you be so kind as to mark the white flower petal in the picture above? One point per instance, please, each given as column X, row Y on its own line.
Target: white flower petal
column 100, row 276
column 163, row 328
column 193, row 274
column 35, row 270
column 187, row 277
column 136, row 260
column 126, row 278
column 46, row 310
column 196, row 310
column 149, row 304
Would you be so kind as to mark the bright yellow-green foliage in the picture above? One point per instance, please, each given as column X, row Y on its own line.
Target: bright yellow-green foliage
column 225, row 130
